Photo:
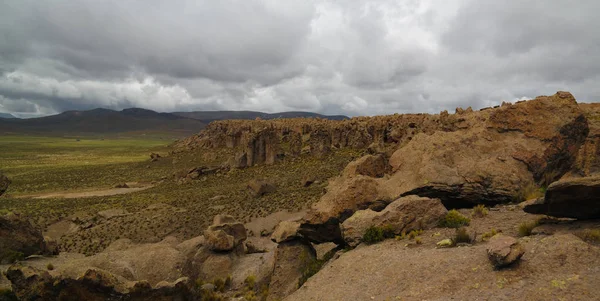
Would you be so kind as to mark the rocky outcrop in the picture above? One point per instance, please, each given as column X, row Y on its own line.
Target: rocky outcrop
column 285, row 231
column 370, row 165
column 403, row 215
column 504, row 250
column 486, row 157
column 225, row 234
column 290, row 260
column 261, row 187
column 34, row 284
column 575, row 198
column 19, row 239
column 4, row 183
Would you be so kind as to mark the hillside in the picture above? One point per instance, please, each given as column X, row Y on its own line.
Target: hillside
column 104, row 122
column 6, row 116
column 209, row 116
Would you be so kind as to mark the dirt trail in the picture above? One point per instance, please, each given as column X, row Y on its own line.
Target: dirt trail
column 133, row 187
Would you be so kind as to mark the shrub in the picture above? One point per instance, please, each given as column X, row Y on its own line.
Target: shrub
column 50, row 267
column 526, row 228
column 376, row 234
column 454, row 219
column 418, row 241
column 529, row 192
column 589, row 235
column 250, row 282
column 462, row 236
column 480, row 211
column 487, row 235
column 414, row 233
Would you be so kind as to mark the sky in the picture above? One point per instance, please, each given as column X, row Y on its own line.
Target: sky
column 346, row 57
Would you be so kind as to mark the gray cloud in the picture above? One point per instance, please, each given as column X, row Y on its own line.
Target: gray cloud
column 337, row 57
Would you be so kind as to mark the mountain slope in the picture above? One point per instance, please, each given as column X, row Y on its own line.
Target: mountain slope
column 208, row 116
column 6, row 116
column 104, row 121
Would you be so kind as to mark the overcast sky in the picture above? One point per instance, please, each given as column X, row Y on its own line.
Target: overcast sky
column 336, row 57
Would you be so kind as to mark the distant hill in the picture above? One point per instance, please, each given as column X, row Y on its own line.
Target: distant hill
column 6, row 116
column 104, row 121
column 208, row 116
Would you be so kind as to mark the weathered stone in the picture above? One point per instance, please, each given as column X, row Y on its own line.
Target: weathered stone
column 285, row 231
column 261, row 187
column 504, row 250
column 403, row 215
column 225, row 234
column 218, row 240
column 290, row 258
column 19, row 239
column 370, row 165
column 575, row 198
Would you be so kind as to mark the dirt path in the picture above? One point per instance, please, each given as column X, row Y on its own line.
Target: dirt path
column 133, row 187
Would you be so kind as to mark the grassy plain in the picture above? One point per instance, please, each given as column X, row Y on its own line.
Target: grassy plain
column 42, row 165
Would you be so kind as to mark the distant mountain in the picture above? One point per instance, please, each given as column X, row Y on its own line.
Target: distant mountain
column 104, row 121
column 208, row 116
column 6, row 116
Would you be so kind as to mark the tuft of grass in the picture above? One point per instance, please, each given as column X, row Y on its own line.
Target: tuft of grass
column 454, row 219
column 250, row 282
column 414, row 233
column 375, row 234
column 418, row 241
column 462, row 236
column 529, row 192
column 487, row 235
column 480, row 211
column 589, row 235
column 50, row 267
column 526, row 228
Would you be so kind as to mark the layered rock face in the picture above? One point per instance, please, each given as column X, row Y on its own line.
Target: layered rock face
column 575, row 198
column 489, row 159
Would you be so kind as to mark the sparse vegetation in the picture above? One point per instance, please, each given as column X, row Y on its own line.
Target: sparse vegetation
column 480, row 211
column 462, row 236
column 454, row 219
column 50, row 267
column 590, row 235
column 487, row 235
column 250, row 282
column 414, row 233
column 526, row 228
column 376, row 234
column 529, row 192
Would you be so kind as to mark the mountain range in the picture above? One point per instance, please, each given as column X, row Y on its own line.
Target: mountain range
column 133, row 120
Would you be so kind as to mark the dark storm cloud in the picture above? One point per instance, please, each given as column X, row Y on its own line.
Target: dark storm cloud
column 337, row 57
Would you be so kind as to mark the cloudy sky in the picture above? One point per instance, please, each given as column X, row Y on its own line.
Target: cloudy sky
column 330, row 56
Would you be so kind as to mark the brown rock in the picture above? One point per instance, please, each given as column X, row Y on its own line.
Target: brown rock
column 370, row 165
column 290, row 258
column 154, row 157
column 403, row 215
column 286, row 231
column 218, row 240
column 575, row 198
column 261, row 187
column 225, row 234
column 504, row 250
column 19, row 239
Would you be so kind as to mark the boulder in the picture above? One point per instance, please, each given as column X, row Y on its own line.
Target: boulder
column 403, row 215
column 33, row 284
column 370, row 165
column 504, row 250
column 290, row 259
column 286, row 231
column 261, row 187
column 154, row 157
column 19, row 239
column 225, row 234
column 575, row 198
column 4, row 183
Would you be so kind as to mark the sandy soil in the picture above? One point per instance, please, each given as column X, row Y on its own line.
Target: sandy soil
column 134, row 187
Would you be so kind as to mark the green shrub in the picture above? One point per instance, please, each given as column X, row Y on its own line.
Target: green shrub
column 50, row 267
column 418, row 241
column 529, row 192
column 250, row 282
column 376, row 234
column 414, row 233
column 480, row 211
column 11, row 256
column 462, row 236
column 487, row 235
column 589, row 235
column 454, row 219
column 526, row 228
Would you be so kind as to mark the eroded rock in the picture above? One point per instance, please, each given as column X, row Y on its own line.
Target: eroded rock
column 19, row 239
column 504, row 250
column 575, row 198
column 290, row 258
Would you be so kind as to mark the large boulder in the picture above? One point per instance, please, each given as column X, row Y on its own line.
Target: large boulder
column 285, row 231
column 403, row 215
column 504, row 250
column 575, row 198
column 19, row 239
column 4, row 183
column 225, row 234
column 261, row 187
column 291, row 258
column 370, row 165
column 94, row 284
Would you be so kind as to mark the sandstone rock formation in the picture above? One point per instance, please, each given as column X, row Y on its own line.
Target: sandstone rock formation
column 575, row 198
column 4, row 183
column 19, row 239
column 504, row 250
column 290, row 258
column 261, row 187
column 225, row 234
column 403, row 215
column 485, row 157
